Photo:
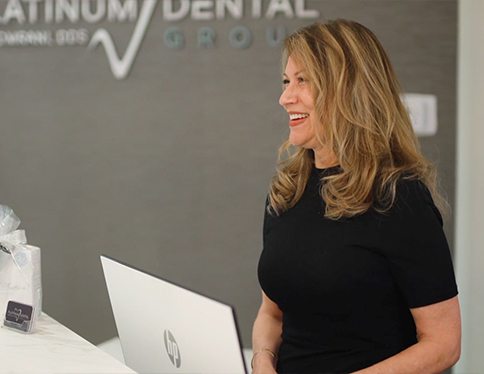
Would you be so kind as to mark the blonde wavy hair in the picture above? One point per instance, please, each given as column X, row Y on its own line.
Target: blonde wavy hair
column 363, row 121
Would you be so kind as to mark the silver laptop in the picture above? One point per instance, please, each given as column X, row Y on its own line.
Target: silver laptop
column 165, row 328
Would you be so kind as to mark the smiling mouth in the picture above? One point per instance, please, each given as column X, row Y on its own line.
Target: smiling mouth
column 295, row 119
column 298, row 116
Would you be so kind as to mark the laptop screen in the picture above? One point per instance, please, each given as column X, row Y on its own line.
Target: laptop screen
column 166, row 328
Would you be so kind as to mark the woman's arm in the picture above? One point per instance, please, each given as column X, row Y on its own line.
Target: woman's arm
column 266, row 336
column 438, row 347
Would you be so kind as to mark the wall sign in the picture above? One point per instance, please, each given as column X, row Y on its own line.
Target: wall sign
column 33, row 23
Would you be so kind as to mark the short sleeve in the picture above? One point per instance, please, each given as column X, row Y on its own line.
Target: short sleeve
column 416, row 247
column 265, row 225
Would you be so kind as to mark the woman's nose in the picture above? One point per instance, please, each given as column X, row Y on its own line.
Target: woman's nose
column 288, row 96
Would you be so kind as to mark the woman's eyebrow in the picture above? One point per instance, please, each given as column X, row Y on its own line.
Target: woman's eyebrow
column 296, row 73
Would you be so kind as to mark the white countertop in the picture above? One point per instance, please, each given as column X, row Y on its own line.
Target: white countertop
column 53, row 348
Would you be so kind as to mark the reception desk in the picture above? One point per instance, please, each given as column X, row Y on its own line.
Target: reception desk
column 53, row 348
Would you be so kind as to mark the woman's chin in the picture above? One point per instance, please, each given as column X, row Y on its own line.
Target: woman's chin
column 301, row 136
column 298, row 141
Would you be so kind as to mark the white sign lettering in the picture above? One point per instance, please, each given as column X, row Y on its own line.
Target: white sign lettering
column 172, row 14
column 92, row 11
column 234, row 7
column 202, row 10
column 122, row 12
column 73, row 12
column 13, row 11
column 282, row 6
column 93, row 16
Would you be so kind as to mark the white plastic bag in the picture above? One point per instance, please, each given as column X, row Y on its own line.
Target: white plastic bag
column 20, row 273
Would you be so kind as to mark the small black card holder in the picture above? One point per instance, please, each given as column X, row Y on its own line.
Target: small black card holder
column 19, row 316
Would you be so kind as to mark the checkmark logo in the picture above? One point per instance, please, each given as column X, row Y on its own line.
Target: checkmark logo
column 121, row 66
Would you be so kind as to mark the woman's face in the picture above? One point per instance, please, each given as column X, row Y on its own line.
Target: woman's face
column 297, row 100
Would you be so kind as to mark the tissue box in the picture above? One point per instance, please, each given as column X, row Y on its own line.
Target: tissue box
column 20, row 280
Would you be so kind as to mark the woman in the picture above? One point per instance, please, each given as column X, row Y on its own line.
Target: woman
column 356, row 272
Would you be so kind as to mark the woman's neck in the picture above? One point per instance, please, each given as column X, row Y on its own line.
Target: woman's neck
column 323, row 158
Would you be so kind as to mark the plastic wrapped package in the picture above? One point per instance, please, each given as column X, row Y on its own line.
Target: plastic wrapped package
column 20, row 270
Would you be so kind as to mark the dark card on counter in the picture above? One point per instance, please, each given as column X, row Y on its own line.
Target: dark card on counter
column 19, row 316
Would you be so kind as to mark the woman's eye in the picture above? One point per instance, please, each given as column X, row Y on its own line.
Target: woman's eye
column 285, row 82
column 301, row 80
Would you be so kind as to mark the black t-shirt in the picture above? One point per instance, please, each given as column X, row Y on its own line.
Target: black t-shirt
column 345, row 287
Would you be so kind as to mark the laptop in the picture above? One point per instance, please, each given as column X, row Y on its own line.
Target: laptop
column 166, row 328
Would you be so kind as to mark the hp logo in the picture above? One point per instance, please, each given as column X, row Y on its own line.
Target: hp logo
column 172, row 348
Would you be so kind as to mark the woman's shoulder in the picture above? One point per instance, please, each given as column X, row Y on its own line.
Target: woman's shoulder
column 413, row 198
column 409, row 188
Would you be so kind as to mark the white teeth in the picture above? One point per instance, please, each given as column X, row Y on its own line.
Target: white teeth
column 298, row 116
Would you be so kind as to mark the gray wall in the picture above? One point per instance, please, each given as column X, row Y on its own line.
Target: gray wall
column 168, row 169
